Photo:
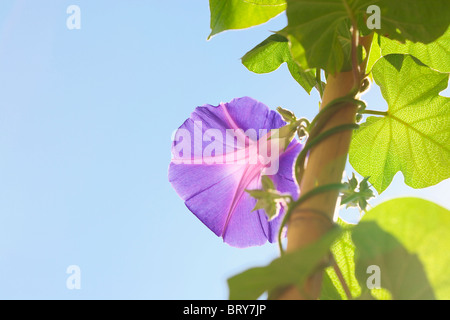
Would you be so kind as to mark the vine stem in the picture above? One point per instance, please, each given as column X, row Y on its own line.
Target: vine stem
column 342, row 280
column 319, row 82
column 324, row 166
column 375, row 112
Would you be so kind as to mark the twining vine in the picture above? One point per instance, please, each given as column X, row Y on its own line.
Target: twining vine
column 397, row 52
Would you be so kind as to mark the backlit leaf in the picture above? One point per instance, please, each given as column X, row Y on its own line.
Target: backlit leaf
column 414, row 137
column 270, row 54
column 240, row 14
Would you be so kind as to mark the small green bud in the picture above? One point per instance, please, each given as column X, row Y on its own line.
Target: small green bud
column 287, row 115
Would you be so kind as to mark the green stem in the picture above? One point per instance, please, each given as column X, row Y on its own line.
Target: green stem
column 342, row 280
column 320, row 120
column 319, row 83
column 374, row 112
column 318, row 123
column 354, row 51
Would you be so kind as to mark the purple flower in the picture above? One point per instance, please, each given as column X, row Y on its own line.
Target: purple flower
column 217, row 154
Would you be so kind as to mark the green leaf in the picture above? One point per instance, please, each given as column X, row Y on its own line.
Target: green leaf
column 374, row 54
column 304, row 78
column 319, row 33
column 435, row 54
column 343, row 252
column 270, row 54
column 240, row 14
column 381, row 294
column 399, row 271
column 322, row 28
column 408, row 240
column 414, row 135
column 269, row 199
column 290, row 269
column 328, row 288
column 353, row 198
column 353, row 182
column 422, row 228
column 414, row 20
column 267, row 183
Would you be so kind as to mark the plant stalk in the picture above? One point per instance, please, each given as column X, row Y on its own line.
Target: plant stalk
column 325, row 165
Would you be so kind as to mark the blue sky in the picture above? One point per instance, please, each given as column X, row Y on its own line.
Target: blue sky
column 86, row 118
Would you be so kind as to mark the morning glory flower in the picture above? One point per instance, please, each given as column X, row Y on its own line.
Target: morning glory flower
column 222, row 151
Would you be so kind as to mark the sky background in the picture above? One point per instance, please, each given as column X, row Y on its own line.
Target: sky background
column 86, row 119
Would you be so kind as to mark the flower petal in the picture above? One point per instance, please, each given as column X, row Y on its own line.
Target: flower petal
column 246, row 228
column 215, row 192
